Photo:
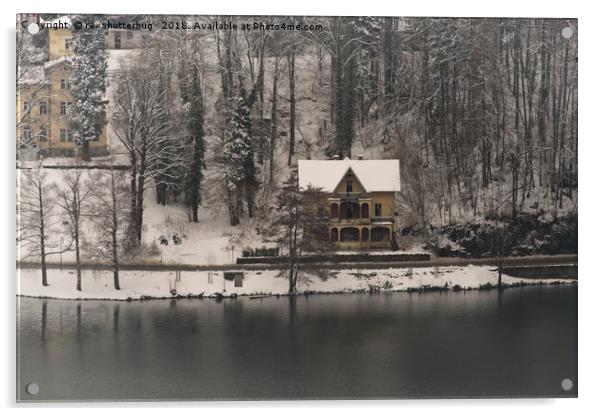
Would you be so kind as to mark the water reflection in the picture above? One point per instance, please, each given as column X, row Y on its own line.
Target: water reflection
column 519, row 342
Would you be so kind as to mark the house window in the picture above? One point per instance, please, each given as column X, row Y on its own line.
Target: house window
column 26, row 106
column 65, row 107
column 43, row 134
column 27, row 133
column 117, row 40
column 349, row 186
column 65, row 84
column 69, row 136
column 380, row 234
column 334, row 211
column 130, row 34
column 365, row 210
column 350, row 210
column 350, row 234
column 67, row 44
column 43, row 107
column 63, row 135
column 378, row 210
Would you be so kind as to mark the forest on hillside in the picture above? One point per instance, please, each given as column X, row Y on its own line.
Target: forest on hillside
column 481, row 113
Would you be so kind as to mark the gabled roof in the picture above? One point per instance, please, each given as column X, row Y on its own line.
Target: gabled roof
column 374, row 175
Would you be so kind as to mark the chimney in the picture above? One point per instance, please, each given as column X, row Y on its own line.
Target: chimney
column 360, row 157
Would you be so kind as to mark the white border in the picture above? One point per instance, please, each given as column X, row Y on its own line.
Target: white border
column 590, row 348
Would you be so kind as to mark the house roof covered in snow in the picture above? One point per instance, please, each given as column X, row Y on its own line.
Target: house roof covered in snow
column 57, row 61
column 32, row 74
column 374, row 175
column 61, row 19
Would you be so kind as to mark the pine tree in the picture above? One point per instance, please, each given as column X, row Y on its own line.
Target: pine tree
column 195, row 127
column 88, row 86
column 238, row 157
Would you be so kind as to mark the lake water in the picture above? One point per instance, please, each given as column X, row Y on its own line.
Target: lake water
column 397, row 345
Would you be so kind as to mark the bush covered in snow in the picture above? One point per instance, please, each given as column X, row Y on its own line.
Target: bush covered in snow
column 526, row 235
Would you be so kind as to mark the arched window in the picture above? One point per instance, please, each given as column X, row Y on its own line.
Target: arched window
column 334, row 235
column 350, row 234
column 365, row 210
column 365, row 234
column 350, row 210
column 381, row 234
column 334, row 211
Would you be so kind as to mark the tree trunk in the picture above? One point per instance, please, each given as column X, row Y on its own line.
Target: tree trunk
column 291, row 80
column 42, row 237
column 77, row 257
column 85, row 156
column 132, row 232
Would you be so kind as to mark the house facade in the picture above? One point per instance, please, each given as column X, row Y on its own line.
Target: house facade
column 44, row 98
column 360, row 198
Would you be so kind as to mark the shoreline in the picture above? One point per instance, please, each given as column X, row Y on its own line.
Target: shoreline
column 305, row 294
column 150, row 285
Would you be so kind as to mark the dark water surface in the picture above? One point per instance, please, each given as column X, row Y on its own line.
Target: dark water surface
column 473, row 344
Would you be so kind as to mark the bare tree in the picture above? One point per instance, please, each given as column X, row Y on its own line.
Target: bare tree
column 35, row 217
column 300, row 227
column 141, row 124
column 108, row 210
column 72, row 198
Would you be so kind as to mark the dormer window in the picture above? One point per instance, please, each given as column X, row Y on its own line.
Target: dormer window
column 349, row 186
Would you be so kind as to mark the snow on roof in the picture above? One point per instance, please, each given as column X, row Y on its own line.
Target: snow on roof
column 59, row 60
column 374, row 175
column 32, row 74
column 62, row 19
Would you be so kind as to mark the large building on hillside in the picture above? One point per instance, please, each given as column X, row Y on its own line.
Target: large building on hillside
column 360, row 199
column 44, row 97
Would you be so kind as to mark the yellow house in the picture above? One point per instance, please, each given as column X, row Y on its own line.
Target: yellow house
column 44, row 101
column 360, row 198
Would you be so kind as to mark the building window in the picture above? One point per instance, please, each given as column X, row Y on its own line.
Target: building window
column 67, row 44
column 350, row 234
column 380, row 234
column 63, row 135
column 43, row 134
column 130, row 34
column 349, row 186
column 43, row 107
column 65, row 107
column 350, row 210
column 26, row 106
column 365, row 210
column 334, row 235
column 378, row 210
column 69, row 136
column 27, row 133
column 117, row 40
column 334, row 211
column 65, row 84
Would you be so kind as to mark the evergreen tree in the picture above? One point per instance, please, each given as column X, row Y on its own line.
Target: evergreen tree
column 238, row 156
column 195, row 126
column 88, row 86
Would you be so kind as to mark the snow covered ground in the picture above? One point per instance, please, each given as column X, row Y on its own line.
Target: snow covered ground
column 137, row 284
